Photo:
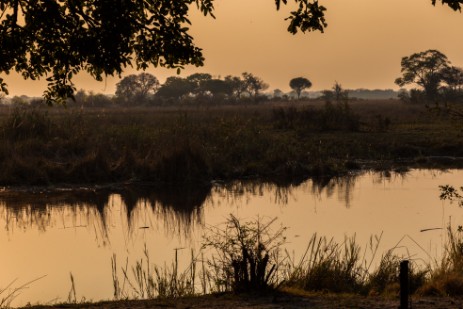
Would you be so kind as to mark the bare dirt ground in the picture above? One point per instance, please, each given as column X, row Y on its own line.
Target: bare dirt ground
column 278, row 301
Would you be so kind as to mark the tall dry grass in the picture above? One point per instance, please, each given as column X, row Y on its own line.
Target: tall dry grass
column 249, row 256
column 272, row 141
column 145, row 280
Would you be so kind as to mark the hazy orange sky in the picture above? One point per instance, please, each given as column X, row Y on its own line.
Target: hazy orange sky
column 361, row 48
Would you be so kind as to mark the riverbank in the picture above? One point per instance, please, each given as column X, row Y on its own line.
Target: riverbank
column 276, row 142
column 271, row 301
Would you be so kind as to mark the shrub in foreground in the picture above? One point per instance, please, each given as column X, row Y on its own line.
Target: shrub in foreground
column 246, row 255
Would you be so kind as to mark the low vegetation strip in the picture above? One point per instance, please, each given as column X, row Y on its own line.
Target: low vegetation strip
column 271, row 141
column 269, row 301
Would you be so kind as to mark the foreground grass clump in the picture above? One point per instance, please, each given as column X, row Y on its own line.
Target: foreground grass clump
column 273, row 141
column 246, row 255
column 328, row 266
column 147, row 281
column 244, row 258
column 345, row 268
column 385, row 278
column 250, row 257
column 447, row 277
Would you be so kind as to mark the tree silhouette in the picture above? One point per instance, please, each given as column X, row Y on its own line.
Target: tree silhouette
column 137, row 87
column 298, row 84
column 215, row 87
column 57, row 39
column 253, row 84
column 175, row 87
column 424, row 69
column 453, row 77
column 235, row 85
column 197, row 80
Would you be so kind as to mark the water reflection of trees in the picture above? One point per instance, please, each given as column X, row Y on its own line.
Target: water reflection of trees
column 282, row 193
column 383, row 177
column 238, row 191
column 177, row 207
column 341, row 187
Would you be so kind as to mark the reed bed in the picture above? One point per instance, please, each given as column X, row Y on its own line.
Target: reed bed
column 250, row 257
column 272, row 141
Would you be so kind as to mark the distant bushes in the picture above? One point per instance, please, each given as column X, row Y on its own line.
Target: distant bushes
column 414, row 96
column 335, row 115
column 24, row 123
column 332, row 117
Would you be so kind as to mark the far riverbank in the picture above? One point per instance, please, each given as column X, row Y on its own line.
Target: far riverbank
column 276, row 142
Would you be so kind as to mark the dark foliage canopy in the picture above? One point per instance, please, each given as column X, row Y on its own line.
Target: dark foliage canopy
column 298, row 84
column 175, row 87
column 454, row 4
column 453, row 77
column 136, row 87
column 424, row 69
column 57, row 39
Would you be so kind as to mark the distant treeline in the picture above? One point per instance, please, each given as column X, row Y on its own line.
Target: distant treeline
column 376, row 94
column 436, row 80
column 145, row 89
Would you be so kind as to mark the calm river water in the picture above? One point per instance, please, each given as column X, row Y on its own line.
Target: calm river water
column 51, row 236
